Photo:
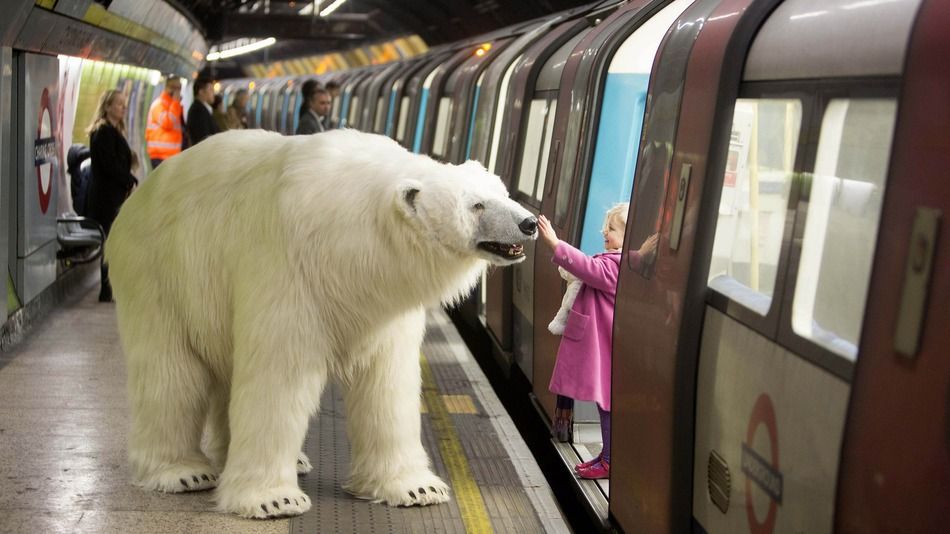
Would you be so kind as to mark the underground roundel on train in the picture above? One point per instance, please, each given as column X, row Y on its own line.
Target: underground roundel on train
column 762, row 470
column 44, row 152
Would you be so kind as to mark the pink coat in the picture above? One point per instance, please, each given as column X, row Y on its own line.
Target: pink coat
column 582, row 369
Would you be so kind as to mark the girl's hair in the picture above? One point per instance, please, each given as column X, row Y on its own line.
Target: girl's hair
column 100, row 117
column 617, row 213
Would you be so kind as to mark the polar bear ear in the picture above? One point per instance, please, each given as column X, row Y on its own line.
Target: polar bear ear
column 406, row 194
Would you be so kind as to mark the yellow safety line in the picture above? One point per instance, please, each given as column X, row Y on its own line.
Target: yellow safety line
column 467, row 495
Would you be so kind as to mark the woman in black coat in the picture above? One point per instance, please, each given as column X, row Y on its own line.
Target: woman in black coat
column 112, row 178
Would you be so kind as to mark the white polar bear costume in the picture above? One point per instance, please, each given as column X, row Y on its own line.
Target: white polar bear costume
column 254, row 267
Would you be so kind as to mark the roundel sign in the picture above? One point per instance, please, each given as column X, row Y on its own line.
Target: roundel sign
column 761, row 468
column 44, row 152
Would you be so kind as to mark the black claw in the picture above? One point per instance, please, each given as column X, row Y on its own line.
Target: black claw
column 264, row 507
column 305, row 498
column 422, row 491
column 183, row 482
column 299, row 462
column 286, row 500
column 412, row 495
column 196, row 480
column 204, row 477
column 277, row 506
column 297, row 503
column 432, row 489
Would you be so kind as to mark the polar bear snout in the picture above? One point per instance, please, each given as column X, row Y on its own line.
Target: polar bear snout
column 529, row 226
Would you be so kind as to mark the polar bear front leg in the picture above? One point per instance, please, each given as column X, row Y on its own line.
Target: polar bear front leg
column 388, row 462
column 272, row 398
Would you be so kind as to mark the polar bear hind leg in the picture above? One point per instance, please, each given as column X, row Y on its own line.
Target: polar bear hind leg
column 168, row 388
column 273, row 395
column 382, row 396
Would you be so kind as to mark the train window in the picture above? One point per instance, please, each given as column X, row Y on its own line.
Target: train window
column 354, row 115
column 754, row 201
column 844, row 208
column 500, row 114
column 380, row 116
column 545, row 151
column 534, row 133
column 442, row 126
column 403, row 116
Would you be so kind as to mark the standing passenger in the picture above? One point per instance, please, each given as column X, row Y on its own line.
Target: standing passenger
column 314, row 120
column 165, row 131
column 218, row 113
column 200, row 115
column 237, row 111
column 306, row 91
column 112, row 178
column 582, row 368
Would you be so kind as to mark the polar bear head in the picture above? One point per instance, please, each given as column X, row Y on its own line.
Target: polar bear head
column 466, row 209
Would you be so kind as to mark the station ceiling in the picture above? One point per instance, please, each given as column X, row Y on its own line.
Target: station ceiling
column 356, row 22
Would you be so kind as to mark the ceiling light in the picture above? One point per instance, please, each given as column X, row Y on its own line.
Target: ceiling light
column 238, row 50
column 331, row 8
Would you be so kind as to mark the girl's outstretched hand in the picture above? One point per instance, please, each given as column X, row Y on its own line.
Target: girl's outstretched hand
column 548, row 237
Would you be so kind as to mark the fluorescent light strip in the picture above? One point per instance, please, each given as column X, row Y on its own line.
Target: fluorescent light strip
column 331, row 8
column 231, row 52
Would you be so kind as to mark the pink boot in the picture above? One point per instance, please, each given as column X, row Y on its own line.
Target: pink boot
column 595, row 472
column 588, row 463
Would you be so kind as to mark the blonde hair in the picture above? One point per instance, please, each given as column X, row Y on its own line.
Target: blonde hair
column 100, row 117
column 618, row 212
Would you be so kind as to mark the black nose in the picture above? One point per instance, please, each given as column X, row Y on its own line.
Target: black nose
column 529, row 226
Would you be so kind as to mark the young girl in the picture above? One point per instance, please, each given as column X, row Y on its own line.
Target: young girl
column 582, row 369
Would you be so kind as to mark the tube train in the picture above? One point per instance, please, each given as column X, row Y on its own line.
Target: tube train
column 779, row 364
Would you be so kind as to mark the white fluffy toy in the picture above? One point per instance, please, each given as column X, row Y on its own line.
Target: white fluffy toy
column 556, row 326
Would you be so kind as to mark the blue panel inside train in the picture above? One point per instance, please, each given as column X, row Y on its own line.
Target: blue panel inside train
column 471, row 122
column 420, row 122
column 615, row 155
column 390, row 113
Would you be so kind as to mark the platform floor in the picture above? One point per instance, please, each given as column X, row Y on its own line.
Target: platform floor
column 63, row 421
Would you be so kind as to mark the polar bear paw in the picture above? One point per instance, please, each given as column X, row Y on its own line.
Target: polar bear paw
column 303, row 464
column 263, row 504
column 181, row 478
column 413, row 490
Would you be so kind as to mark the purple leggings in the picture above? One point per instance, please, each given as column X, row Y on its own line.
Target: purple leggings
column 605, row 432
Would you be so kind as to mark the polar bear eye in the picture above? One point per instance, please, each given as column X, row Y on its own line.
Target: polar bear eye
column 478, row 206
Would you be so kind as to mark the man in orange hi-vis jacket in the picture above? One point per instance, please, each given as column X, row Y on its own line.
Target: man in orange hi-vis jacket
column 163, row 135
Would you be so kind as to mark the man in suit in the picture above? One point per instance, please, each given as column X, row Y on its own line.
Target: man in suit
column 314, row 120
column 200, row 122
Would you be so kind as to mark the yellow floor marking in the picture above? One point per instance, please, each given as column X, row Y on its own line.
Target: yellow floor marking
column 467, row 495
column 459, row 404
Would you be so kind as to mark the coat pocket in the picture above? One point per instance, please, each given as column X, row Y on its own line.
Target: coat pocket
column 576, row 326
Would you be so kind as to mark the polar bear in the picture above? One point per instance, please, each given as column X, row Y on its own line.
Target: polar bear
column 253, row 267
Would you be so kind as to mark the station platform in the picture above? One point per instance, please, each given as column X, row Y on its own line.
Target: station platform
column 64, row 419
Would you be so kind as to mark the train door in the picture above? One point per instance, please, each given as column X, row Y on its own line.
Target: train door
column 397, row 95
column 505, row 159
column 435, row 109
column 788, row 274
column 895, row 460
column 363, row 100
column 660, row 299
column 467, row 81
column 530, row 190
column 375, row 111
column 414, row 101
column 607, row 75
column 488, row 106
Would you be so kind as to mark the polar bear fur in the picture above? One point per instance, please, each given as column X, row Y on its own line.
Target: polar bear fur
column 253, row 267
